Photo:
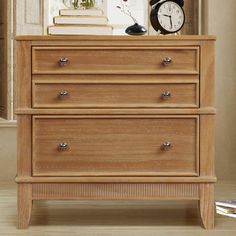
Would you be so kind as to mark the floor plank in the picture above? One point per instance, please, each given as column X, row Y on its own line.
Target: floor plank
column 107, row 218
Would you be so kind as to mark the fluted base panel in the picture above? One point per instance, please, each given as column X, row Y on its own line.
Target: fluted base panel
column 114, row 191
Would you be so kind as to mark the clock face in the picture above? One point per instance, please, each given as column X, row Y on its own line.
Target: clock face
column 171, row 16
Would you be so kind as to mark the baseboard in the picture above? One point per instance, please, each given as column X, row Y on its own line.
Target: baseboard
column 8, row 123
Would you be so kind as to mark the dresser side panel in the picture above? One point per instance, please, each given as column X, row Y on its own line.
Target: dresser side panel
column 23, row 100
column 23, row 74
column 207, row 100
column 207, row 145
column 207, row 74
column 24, row 145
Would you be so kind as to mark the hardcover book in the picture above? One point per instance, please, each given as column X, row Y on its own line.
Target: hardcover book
column 75, row 20
column 80, row 30
column 230, row 204
column 81, row 12
column 226, row 210
column 225, row 214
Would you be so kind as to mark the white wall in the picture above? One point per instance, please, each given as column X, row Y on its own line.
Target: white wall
column 54, row 6
column 120, row 22
column 222, row 23
column 7, row 153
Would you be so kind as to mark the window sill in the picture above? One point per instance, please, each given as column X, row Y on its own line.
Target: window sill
column 8, row 123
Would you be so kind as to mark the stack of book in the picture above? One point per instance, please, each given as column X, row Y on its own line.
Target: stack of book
column 226, row 208
column 80, row 22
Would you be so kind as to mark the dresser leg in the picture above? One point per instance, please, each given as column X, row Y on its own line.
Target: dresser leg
column 24, row 205
column 207, row 205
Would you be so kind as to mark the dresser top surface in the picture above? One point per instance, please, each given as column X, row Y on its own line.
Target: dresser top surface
column 115, row 38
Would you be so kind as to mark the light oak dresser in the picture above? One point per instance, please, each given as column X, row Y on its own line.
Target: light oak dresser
column 115, row 118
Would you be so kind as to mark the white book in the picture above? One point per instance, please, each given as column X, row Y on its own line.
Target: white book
column 225, row 214
column 231, row 204
column 226, row 210
column 80, row 30
column 81, row 12
column 75, row 20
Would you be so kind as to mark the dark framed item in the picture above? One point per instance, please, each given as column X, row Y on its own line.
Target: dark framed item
column 167, row 16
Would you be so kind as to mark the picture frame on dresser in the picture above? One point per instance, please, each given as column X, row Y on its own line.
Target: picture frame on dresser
column 122, row 118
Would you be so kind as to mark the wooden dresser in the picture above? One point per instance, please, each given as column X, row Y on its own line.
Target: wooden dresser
column 115, row 118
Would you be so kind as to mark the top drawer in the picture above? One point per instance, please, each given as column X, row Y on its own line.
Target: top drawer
column 115, row 60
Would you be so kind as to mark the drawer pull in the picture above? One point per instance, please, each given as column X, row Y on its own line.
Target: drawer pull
column 63, row 147
column 166, row 146
column 167, row 61
column 166, row 95
column 63, row 94
column 63, row 62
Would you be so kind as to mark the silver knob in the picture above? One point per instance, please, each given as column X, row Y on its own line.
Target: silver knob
column 166, row 95
column 167, row 61
column 63, row 61
column 63, row 147
column 166, row 146
column 63, row 94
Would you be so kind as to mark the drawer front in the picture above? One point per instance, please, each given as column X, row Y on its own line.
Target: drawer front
column 47, row 95
column 115, row 146
column 74, row 60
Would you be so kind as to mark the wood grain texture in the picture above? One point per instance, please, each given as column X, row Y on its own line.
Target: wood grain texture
column 207, row 75
column 146, row 39
column 207, row 145
column 110, row 146
column 123, row 111
column 120, row 43
column 111, row 191
column 207, row 205
column 114, row 79
column 24, row 145
column 115, row 60
column 120, row 179
column 24, row 205
column 48, row 95
column 113, row 121
column 23, row 75
column 2, row 15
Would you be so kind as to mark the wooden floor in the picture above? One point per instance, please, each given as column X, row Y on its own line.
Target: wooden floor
column 113, row 218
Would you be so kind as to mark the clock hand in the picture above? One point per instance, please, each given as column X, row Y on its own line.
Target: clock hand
column 171, row 23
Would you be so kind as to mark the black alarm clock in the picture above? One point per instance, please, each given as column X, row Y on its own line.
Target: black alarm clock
column 167, row 16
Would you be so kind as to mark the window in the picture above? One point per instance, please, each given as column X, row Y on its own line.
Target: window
column 3, row 59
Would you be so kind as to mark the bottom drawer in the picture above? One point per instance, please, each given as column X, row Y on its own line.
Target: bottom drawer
column 115, row 146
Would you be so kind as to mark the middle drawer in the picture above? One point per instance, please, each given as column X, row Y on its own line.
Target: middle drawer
column 115, row 95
